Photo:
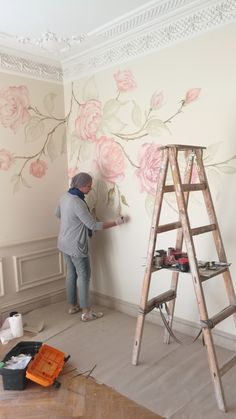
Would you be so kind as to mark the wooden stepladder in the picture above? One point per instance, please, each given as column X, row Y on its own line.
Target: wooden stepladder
column 182, row 186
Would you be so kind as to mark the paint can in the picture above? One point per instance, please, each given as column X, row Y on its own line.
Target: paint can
column 183, row 264
column 157, row 261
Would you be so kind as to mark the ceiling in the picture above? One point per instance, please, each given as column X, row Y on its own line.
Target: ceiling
column 65, row 17
column 59, row 40
column 57, row 28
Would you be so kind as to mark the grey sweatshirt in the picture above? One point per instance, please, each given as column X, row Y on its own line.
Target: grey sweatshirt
column 75, row 220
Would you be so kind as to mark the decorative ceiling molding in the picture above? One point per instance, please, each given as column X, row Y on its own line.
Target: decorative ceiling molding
column 52, row 43
column 147, row 29
column 155, row 29
column 25, row 67
column 145, row 17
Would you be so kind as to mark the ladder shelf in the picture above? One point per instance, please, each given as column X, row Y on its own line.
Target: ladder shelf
column 205, row 274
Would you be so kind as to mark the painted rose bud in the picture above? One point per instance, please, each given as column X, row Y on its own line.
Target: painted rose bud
column 157, row 100
column 125, row 80
column 38, row 168
column 6, row 159
column 192, row 95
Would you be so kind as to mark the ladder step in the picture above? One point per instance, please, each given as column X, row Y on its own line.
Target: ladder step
column 182, row 147
column 194, row 231
column 203, row 229
column 207, row 274
column 187, row 187
column 228, row 365
column 160, row 299
column 169, row 226
column 219, row 317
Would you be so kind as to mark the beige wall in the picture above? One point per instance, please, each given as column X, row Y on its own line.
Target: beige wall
column 33, row 170
column 199, row 71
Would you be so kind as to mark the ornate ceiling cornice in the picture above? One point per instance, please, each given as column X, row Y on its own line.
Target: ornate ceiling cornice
column 26, row 67
column 158, row 27
column 147, row 29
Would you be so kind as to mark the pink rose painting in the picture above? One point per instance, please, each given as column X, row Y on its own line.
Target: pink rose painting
column 110, row 159
column 125, row 80
column 6, row 159
column 38, row 168
column 88, row 120
column 105, row 125
column 150, row 158
column 14, row 103
column 192, row 95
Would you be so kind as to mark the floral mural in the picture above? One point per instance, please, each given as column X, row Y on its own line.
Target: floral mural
column 96, row 131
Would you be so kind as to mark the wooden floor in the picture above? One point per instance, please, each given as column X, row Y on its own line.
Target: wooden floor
column 79, row 396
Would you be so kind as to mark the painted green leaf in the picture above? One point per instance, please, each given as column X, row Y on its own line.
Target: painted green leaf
column 51, row 149
column 90, row 90
column 154, row 127
column 112, row 106
column 123, row 103
column 110, row 196
column 34, row 129
column 123, row 200
column 16, row 187
column 112, row 123
column 25, row 183
column 14, row 178
column 49, row 102
column 136, row 114
column 149, row 204
column 86, row 149
column 63, row 147
column 171, row 202
column 102, row 187
column 227, row 169
column 211, row 151
column 74, row 145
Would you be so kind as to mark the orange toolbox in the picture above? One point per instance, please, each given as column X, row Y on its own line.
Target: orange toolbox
column 46, row 366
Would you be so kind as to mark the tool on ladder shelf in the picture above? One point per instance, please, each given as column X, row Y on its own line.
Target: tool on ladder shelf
column 185, row 234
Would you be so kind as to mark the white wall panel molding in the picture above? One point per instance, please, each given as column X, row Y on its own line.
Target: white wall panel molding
column 27, row 67
column 1, row 278
column 28, row 242
column 161, row 25
column 38, row 268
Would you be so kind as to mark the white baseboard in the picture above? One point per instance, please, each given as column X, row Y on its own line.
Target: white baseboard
column 32, row 303
column 223, row 339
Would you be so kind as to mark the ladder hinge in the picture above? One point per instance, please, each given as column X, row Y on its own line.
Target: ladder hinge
column 222, row 315
column 158, row 301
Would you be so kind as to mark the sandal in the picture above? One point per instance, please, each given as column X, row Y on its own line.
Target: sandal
column 91, row 315
column 74, row 309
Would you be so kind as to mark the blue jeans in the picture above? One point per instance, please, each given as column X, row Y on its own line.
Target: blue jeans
column 77, row 269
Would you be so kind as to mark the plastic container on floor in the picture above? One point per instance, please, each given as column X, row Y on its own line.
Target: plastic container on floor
column 46, row 366
column 15, row 379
